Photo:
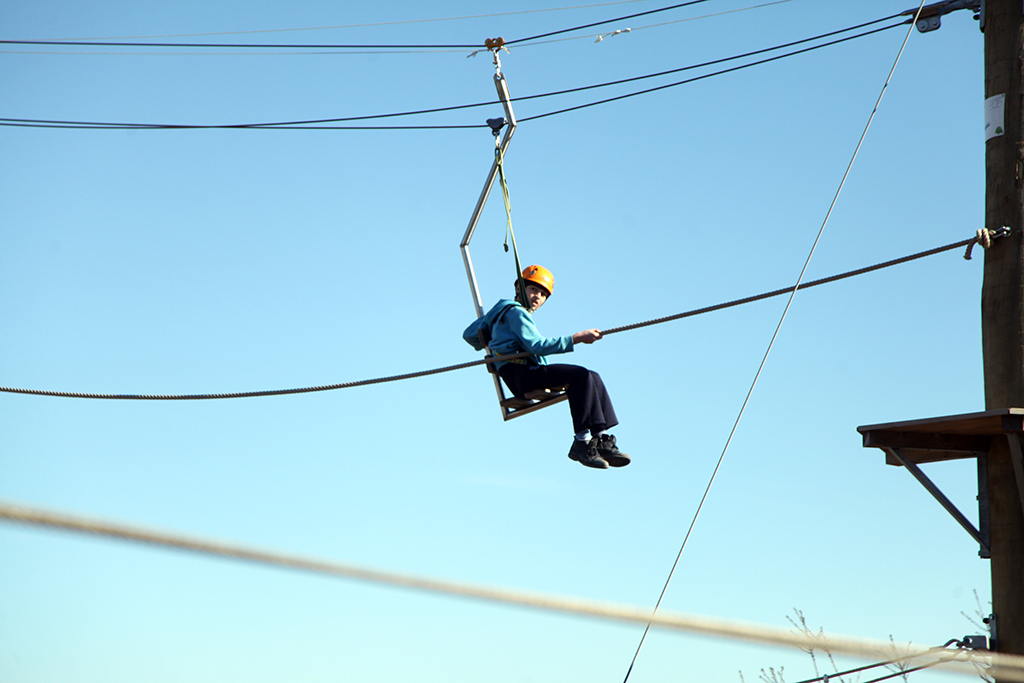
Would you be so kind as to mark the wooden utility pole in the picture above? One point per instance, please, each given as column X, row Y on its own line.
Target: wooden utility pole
column 1002, row 310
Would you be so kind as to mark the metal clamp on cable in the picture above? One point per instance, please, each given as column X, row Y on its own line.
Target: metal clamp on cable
column 930, row 16
column 973, row 643
column 496, row 125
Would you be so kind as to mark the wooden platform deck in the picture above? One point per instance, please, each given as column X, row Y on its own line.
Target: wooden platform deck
column 952, row 437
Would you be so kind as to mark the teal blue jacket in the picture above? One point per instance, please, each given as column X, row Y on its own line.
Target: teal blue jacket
column 513, row 331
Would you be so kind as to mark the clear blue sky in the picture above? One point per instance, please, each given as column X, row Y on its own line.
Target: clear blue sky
column 195, row 261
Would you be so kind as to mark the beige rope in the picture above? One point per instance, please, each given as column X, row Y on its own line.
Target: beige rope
column 1011, row 668
column 269, row 392
column 984, row 237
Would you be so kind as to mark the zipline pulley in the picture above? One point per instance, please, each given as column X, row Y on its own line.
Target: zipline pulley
column 496, row 126
column 496, row 45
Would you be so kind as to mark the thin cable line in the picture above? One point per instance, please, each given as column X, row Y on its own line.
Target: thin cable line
column 247, row 46
column 363, row 46
column 771, row 344
column 719, row 61
column 600, row 23
column 708, row 16
column 708, row 75
column 14, row 123
column 461, row 366
column 910, row 670
column 600, row 37
column 367, row 25
column 228, row 54
column 1013, row 666
column 307, row 124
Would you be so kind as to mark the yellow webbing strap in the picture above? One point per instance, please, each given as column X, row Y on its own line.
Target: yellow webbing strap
column 499, row 159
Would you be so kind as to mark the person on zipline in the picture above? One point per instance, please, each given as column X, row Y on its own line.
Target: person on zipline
column 509, row 327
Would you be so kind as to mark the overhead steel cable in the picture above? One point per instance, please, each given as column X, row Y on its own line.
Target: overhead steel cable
column 721, row 60
column 600, row 37
column 606, row 84
column 601, row 23
column 249, row 46
column 308, row 124
column 705, row 76
column 291, row 46
column 904, row 672
column 450, row 368
column 771, row 344
column 197, row 53
column 825, row 678
column 87, row 125
column 365, row 25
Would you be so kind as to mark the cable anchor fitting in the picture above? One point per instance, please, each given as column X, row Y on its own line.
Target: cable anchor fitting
column 973, row 643
column 984, row 238
column 930, row 18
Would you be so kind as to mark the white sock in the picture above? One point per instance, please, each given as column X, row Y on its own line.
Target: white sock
column 581, row 436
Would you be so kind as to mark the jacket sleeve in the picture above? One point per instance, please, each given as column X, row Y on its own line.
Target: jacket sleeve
column 522, row 326
column 471, row 336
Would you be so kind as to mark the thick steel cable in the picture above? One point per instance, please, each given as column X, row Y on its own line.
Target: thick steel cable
column 687, row 81
column 1013, row 666
column 904, row 672
column 246, row 46
column 309, row 123
column 825, row 678
column 461, row 366
column 600, row 23
column 775, row 335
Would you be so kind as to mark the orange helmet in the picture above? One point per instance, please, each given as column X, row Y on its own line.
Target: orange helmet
column 540, row 276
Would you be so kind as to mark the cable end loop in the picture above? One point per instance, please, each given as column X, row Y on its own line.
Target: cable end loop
column 984, row 237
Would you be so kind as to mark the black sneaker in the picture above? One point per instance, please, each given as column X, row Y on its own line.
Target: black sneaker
column 585, row 453
column 609, row 452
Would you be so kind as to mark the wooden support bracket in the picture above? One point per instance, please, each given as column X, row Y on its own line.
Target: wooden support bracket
column 954, row 437
column 945, row 502
column 1018, row 464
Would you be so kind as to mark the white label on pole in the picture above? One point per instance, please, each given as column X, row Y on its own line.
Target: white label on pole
column 994, row 116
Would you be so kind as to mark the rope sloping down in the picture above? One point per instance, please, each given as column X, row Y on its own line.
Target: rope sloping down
column 461, row 366
column 1008, row 667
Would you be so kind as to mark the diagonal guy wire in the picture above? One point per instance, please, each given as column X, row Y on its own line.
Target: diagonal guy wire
column 771, row 344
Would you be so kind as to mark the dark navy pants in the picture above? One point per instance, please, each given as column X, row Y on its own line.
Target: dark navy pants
column 589, row 403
